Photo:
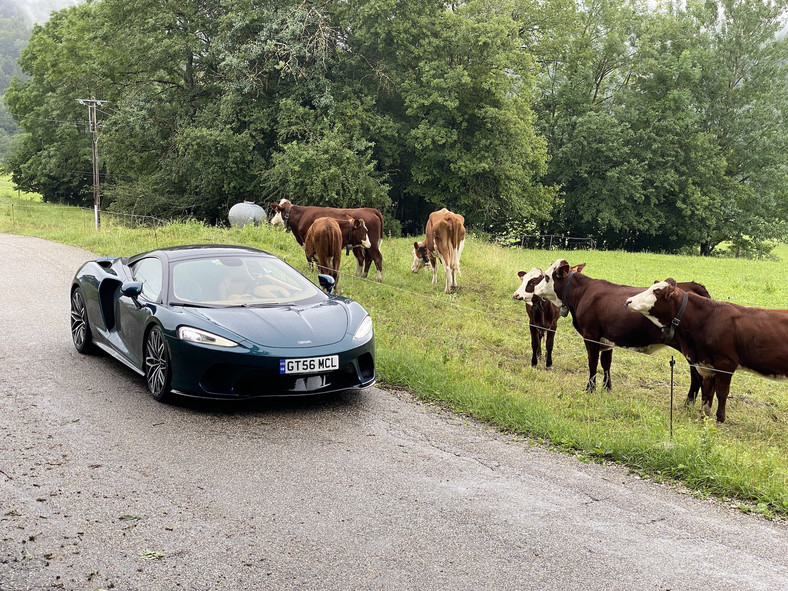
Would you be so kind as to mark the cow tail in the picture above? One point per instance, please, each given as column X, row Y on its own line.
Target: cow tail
column 455, row 244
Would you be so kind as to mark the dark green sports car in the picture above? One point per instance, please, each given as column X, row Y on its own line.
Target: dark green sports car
column 223, row 322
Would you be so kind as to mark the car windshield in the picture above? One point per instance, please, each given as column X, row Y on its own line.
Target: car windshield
column 238, row 280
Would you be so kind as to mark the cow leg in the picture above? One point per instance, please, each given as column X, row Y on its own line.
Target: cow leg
column 536, row 345
column 367, row 263
column 434, row 264
column 722, row 385
column 593, row 360
column 335, row 266
column 707, row 395
column 447, row 273
column 549, row 338
column 328, row 267
column 360, row 256
column 696, row 381
column 377, row 258
column 607, row 359
column 379, row 265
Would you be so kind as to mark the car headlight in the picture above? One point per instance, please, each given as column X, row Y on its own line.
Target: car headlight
column 195, row 335
column 364, row 329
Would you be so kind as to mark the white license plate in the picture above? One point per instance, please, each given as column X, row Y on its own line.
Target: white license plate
column 309, row 364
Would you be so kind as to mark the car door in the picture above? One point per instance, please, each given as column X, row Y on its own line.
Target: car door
column 132, row 316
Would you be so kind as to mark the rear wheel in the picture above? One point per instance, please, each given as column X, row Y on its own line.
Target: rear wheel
column 80, row 327
column 158, row 367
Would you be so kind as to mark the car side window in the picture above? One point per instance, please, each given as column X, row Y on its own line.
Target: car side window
column 149, row 272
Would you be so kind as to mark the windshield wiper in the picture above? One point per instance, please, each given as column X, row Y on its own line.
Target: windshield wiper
column 190, row 305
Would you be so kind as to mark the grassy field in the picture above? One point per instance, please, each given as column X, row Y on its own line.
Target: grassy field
column 470, row 351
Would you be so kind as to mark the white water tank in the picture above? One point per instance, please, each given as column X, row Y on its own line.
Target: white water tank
column 245, row 213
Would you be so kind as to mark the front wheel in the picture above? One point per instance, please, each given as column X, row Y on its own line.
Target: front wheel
column 158, row 367
column 80, row 327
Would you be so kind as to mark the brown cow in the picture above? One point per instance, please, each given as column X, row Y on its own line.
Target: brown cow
column 718, row 337
column 298, row 219
column 326, row 238
column 600, row 315
column 445, row 235
column 542, row 314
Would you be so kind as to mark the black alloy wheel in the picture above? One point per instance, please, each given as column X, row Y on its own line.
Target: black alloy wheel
column 158, row 368
column 80, row 327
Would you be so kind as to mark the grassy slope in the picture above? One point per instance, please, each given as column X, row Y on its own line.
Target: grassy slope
column 470, row 351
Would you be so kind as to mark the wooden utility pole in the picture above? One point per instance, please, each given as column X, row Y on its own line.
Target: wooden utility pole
column 91, row 104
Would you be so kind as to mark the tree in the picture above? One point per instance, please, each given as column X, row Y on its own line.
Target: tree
column 453, row 88
column 662, row 122
column 52, row 156
column 743, row 104
column 14, row 34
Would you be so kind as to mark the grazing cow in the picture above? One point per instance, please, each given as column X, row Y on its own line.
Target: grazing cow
column 542, row 314
column 718, row 337
column 298, row 219
column 326, row 238
column 600, row 315
column 445, row 236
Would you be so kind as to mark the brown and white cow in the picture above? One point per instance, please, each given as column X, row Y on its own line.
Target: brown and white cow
column 600, row 314
column 326, row 238
column 298, row 218
column 718, row 337
column 542, row 314
column 445, row 236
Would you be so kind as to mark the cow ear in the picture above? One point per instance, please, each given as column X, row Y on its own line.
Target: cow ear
column 670, row 290
column 521, row 274
column 563, row 269
column 579, row 268
column 416, row 245
column 357, row 223
column 275, row 206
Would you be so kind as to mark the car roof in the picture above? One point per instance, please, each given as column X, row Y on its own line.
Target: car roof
column 199, row 251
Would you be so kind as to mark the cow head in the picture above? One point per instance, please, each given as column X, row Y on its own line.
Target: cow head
column 420, row 258
column 359, row 233
column 658, row 303
column 281, row 213
column 528, row 280
column 551, row 287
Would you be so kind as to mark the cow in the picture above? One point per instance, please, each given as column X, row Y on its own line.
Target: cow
column 445, row 235
column 326, row 238
column 717, row 337
column 298, row 218
column 542, row 314
column 600, row 315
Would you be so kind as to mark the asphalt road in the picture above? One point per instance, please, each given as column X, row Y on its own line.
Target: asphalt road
column 101, row 487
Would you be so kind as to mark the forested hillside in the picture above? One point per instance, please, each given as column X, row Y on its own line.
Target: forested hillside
column 647, row 126
column 14, row 33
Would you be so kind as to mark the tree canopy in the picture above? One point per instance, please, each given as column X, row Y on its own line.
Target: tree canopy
column 14, row 33
column 647, row 127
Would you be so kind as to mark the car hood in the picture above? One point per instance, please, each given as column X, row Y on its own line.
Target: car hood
column 282, row 326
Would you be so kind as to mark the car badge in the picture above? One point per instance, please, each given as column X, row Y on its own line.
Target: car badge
column 304, row 342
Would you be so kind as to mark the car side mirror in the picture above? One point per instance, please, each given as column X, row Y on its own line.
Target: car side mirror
column 326, row 282
column 132, row 289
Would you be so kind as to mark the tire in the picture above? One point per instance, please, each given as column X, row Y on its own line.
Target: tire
column 158, row 365
column 80, row 326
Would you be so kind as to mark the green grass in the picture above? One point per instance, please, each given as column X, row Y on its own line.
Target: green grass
column 7, row 191
column 470, row 351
